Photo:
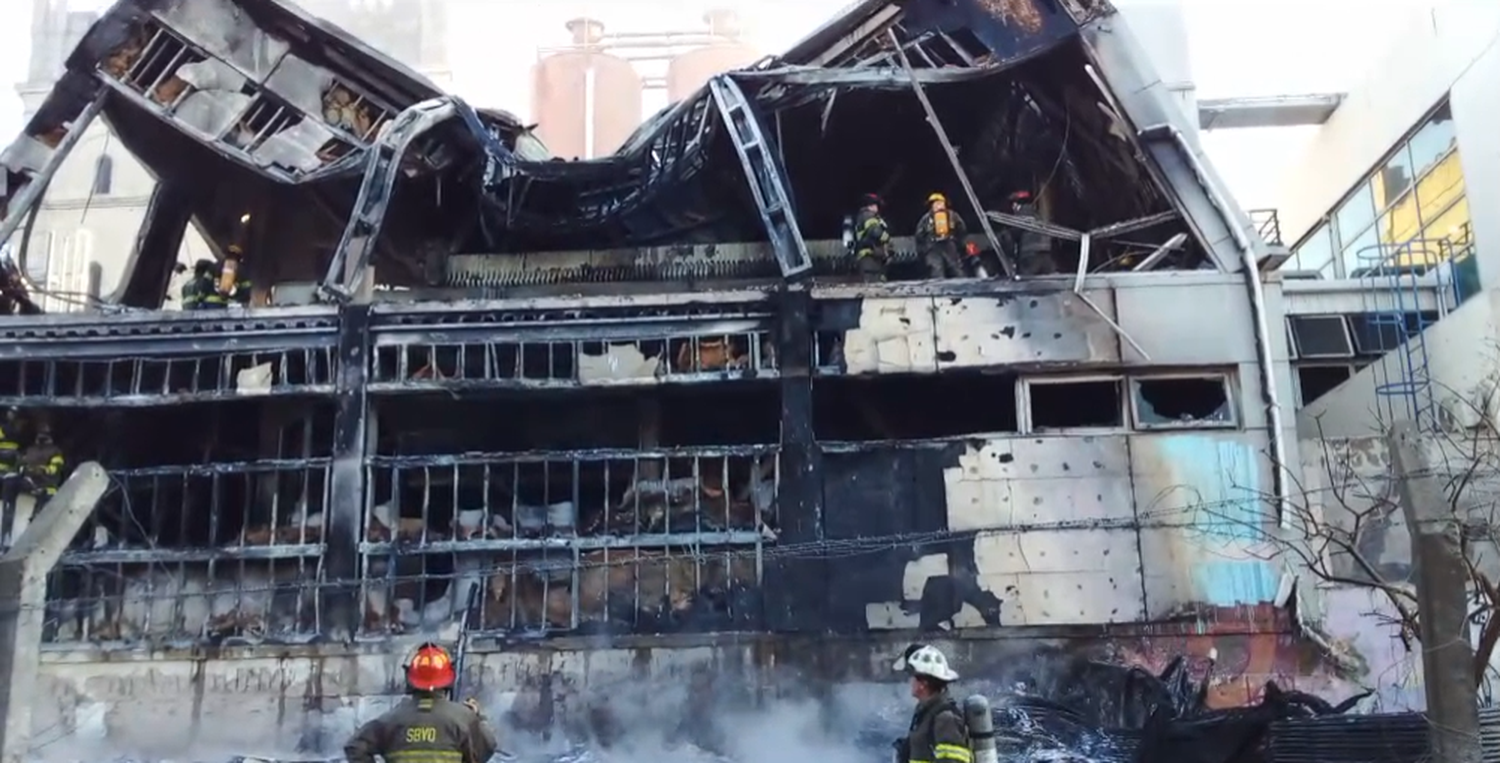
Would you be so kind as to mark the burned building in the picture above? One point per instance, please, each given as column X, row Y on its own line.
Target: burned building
column 639, row 406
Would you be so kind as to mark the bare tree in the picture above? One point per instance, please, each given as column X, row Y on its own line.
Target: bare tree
column 1344, row 525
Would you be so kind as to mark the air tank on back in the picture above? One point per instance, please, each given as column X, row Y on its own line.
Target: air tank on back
column 585, row 102
column 692, row 70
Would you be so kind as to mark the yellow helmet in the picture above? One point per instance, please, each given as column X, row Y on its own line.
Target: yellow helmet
column 937, row 197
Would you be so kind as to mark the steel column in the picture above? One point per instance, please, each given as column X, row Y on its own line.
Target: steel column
column 796, row 589
column 347, row 488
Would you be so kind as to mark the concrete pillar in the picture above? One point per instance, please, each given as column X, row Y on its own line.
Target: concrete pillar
column 23, row 599
column 1442, row 598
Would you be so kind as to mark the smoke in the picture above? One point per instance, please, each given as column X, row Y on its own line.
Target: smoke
column 651, row 724
column 689, row 708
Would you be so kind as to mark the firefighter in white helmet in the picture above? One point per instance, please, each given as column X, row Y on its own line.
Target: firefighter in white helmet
column 938, row 731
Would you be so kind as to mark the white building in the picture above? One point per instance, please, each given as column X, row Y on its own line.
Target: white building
column 1406, row 171
column 1396, row 210
column 87, row 226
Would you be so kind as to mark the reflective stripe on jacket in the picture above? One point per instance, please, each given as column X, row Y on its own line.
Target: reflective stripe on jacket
column 938, row 732
column 424, row 729
column 871, row 235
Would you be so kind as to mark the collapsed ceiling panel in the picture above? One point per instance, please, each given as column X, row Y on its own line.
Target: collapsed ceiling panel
column 278, row 134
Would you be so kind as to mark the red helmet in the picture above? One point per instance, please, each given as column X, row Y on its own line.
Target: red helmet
column 430, row 668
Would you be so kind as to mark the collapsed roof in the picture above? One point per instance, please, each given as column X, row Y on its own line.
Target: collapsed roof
column 338, row 156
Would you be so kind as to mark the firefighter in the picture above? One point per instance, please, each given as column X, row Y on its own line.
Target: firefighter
column 10, row 461
column 201, row 291
column 43, row 465
column 940, row 239
column 872, row 240
column 938, row 731
column 1032, row 251
column 232, row 280
column 427, row 727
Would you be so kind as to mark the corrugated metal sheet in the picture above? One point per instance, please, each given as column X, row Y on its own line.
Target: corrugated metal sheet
column 1386, row 738
column 1391, row 738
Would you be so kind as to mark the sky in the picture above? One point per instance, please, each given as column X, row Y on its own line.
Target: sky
column 1235, row 48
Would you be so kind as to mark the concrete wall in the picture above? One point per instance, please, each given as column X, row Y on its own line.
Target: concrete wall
column 1161, row 28
column 1349, row 487
column 303, row 702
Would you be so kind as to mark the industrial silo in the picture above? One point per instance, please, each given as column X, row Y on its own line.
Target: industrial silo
column 692, row 70
column 586, row 103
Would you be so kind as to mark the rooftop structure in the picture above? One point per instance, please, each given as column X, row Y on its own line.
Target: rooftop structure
column 639, row 406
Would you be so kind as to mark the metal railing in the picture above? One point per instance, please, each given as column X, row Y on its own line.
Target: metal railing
column 1267, row 224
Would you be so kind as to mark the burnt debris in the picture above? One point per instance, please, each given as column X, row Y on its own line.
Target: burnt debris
column 301, row 151
column 662, row 427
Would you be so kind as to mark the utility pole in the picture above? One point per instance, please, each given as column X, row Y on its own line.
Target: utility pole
column 1442, row 599
column 23, row 600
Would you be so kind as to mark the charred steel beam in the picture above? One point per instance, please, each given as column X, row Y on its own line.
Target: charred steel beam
column 352, row 256
column 1160, row 253
column 346, row 488
column 482, row 334
column 263, row 466
column 765, row 175
column 188, row 556
column 657, row 540
column 135, row 334
column 799, row 595
column 1035, row 226
column 142, row 400
column 889, row 78
column 1139, row 223
column 958, row 168
column 18, row 206
column 592, row 454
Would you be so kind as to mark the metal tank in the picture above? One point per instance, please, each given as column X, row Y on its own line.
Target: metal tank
column 692, row 70
column 586, row 102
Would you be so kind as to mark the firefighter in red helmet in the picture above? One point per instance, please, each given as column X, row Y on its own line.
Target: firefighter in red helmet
column 427, row 727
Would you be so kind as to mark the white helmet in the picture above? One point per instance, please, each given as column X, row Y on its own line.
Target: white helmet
column 926, row 661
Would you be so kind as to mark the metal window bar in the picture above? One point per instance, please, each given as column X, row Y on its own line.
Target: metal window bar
column 145, row 381
column 567, row 535
column 571, row 362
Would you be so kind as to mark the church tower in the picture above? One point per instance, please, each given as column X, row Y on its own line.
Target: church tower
column 55, row 31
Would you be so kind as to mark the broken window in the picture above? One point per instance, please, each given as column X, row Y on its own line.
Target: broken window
column 1314, row 382
column 1182, row 401
column 212, row 527
column 913, row 407
column 1075, row 403
column 597, row 539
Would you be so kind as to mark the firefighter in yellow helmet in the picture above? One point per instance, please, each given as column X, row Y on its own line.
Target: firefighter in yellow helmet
column 939, row 733
column 427, row 727
column 941, row 235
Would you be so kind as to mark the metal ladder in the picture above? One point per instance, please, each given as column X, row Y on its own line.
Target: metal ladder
column 765, row 174
column 1394, row 287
